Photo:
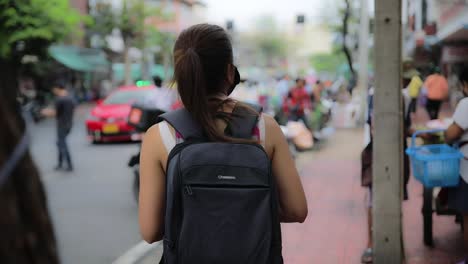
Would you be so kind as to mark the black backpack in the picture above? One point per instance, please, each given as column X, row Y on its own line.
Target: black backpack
column 221, row 199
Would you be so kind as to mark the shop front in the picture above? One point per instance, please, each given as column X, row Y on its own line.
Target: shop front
column 453, row 36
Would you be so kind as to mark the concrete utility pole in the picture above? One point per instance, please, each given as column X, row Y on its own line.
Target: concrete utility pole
column 363, row 77
column 388, row 135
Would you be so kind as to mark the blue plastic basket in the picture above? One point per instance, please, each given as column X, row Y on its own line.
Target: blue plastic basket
column 435, row 165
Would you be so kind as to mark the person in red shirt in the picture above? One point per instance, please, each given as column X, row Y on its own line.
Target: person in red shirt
column 297, row 103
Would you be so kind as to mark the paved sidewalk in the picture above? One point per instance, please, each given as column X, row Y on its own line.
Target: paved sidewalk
column 335, row 230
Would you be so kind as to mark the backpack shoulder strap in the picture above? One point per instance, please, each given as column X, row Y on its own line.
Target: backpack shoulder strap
column 241, row 126
column 182, row 121
column 244, row 121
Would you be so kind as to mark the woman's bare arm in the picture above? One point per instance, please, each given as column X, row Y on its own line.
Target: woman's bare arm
column 453, row 133
column 293, row 204
column 152, row 187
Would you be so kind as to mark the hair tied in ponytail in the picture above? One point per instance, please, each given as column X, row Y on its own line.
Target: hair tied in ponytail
column 202, row 63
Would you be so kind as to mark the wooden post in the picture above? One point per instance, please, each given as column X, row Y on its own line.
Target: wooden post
column 388, row 135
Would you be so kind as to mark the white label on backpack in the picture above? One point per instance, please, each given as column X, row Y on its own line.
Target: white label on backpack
column 222, row 177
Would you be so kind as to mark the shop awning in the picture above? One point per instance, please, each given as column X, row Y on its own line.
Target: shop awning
column 79, row 59
column 453, row 26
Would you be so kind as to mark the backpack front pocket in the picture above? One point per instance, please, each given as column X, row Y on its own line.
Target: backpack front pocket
column 225, row 225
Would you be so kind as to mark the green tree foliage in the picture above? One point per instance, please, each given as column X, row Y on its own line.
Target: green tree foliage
column 33, row 22
column 131, row 19
column 327, row 62
column 165, row 41
column 135, row 21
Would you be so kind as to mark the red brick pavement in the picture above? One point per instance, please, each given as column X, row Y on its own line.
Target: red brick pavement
column 448, row 240
column 335, row 230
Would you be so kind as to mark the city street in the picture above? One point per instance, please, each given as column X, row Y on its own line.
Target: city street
column 96, row 220
column 337, row 75
column 94, row 212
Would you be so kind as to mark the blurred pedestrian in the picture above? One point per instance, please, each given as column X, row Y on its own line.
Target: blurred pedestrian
column 437, row 91
column 27, row 235
column 317, row 92
column 458, row 132
column 414, row 88
column 63, row 111
column 283, row 86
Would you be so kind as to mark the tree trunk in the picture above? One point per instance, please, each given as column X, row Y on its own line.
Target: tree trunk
column 128, row 66
column 145, row 68
column 9, row 86
column 345, row 34
column 145, row 65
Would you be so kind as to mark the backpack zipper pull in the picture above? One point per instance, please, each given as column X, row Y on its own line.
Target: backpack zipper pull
column 188, row 190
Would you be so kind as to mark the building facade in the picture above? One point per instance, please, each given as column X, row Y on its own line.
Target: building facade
column 436, row 35
column 436, row 32
column 183, row 13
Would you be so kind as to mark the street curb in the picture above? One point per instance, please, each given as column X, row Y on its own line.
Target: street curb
column 137, row 253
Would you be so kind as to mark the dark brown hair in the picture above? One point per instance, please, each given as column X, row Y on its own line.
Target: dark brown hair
column 25, row 224
column 202, row 54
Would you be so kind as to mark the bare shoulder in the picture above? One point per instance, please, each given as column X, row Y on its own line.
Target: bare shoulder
column 152, row 134
column 152, row 142
column 272, row 127
column 273, row 134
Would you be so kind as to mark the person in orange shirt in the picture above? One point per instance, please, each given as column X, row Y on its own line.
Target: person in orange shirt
column 437, row 92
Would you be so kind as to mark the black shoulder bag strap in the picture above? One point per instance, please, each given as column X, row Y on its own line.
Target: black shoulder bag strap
column 244, row 120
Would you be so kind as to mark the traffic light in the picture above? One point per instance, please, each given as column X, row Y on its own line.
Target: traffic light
column 300, row 19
